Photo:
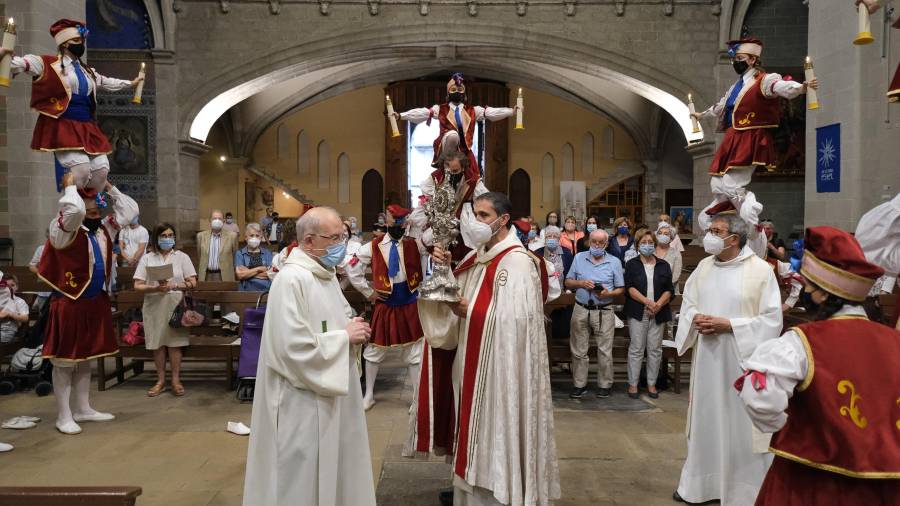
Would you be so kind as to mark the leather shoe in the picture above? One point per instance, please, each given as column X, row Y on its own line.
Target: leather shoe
column 446, row 498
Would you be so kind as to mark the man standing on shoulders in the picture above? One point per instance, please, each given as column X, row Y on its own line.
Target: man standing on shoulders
column 597, row 279
column 217, row 249
column 133, row 241
column 309, row 443
column 731, row 304
column 505, row 448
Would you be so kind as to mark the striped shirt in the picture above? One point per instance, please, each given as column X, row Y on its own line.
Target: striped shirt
column 214, row 240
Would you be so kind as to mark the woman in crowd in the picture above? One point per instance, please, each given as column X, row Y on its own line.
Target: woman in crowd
column 252, row 262
column 665, row 249
column 676, row 240
column 622, row 241
column 633, row 251
column 590, row 224
column 570, row 237
column 160, row 301
column 648, row 288
column 561, row 258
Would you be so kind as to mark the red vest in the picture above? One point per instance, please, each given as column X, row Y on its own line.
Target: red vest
column 412, row 266
column 755, row 110
column 49, row 95
column 447, row 122
column 69, row 270
column 845, row 416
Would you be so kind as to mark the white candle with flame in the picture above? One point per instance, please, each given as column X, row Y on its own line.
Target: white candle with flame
column 692, row 111
column 139, row 90
column 395, row 132
column 520, row 103
column 864, row 35
column 812, row 99
column 9, row 42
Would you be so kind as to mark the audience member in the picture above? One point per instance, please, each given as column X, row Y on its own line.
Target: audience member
column 570, row 237
column 774, row 245
column 230, row 225
column 665, row 250
column 590, row 224
column 252, row 262
column 561, row 258
column 266, row 219
column 676, row 240
column 275, row 233
column 217, row 249
column 132, row 242
column 13, row 310
column 622, row 241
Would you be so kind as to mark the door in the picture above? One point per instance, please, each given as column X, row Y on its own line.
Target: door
column 372, row 199
column 520, row 194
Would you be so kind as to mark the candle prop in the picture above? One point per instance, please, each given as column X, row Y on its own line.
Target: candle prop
column 865, row 30
column 395, row 132
column 692, row 110
column 9, row 42
column 139, row 90
column 812, row 99
column 520, row 102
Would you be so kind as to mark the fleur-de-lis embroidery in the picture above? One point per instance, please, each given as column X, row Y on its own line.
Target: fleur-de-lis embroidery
column 57, row 104
column 898, row 421
column 747, row 118
column 70, row 280
column 853, row 409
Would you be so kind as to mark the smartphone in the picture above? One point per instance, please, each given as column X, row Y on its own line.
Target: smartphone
column 598, row 286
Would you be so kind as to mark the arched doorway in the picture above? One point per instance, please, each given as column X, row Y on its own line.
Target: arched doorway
column 372, row 199
column 625, row 198
column 520, row 194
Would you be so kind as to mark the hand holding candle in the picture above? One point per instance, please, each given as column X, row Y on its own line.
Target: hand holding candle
column 392, row 117
column 9, row 43
column 693, row 112
column 520, row 104
column 139, row 89
column 864, row 35
column 812, row 99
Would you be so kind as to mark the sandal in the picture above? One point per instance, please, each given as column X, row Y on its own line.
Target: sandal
column 177, row 389
column 156, row 390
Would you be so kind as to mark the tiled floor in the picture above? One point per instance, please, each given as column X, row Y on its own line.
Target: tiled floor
column 178, row 451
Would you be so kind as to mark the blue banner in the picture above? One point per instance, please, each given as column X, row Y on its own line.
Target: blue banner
column 828, row 159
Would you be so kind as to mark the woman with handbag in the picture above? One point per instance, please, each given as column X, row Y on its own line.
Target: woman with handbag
column 160, row 301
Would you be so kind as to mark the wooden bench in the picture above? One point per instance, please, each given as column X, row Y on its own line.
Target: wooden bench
column 207, row 342
column 69, row 496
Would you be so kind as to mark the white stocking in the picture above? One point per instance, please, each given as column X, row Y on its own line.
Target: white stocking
column 82, row 174
column 450, row 143
column 413, row 371
column 82, row 387
column 371, row 373
column 62, row 390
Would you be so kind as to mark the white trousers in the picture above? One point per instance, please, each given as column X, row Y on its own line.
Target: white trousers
column 410, row 354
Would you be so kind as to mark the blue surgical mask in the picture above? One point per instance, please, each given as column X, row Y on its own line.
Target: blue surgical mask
column 334, row 254
column 647, row 249
column 591, row 227
column 532, row 234
column 552, row 244
column 166, row 243
column 623, row 230
column 597, row 252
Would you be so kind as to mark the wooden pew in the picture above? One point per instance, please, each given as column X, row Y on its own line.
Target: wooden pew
column 28, row 281
column 207, row 342
column 70, row 496
column 690, row 258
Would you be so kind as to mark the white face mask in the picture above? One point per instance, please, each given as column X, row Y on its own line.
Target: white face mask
column 663, row 238
column 714, row 244
column 475, row 233
column 253, row 242
column 216, row 224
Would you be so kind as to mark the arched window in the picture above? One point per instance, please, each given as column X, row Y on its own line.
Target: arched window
column 547, row 181
column 568, row 163
column 324, row 164
column 343, row 178
column 420, row 155
column 587, row 155
column 302, row 153
column 609, row 139
column 283, row 146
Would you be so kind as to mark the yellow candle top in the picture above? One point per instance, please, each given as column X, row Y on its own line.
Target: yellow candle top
column 689, row 98
column 11, row 25
column 808, row 63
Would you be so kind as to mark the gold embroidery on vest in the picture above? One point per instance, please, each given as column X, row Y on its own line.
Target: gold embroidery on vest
column 70, row 280
column 747, row 118
column 898, row 421
column 853, row 410
column 56, row 104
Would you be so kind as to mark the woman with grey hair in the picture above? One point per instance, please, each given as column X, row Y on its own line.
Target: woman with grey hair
column 665, row 235
column 561, row 258
column 252, row 262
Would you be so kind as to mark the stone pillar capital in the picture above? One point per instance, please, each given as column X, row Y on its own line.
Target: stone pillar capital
column 193, row 148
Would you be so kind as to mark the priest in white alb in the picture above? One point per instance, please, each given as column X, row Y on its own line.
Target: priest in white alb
column 731, row 304
column 309, row 443
column 505, row 447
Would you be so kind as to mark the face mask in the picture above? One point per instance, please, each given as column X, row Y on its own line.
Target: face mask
column 478, row 233
column 253, row 242
column 77, row 49
column 457, row 97
column 663, row 238
column 216, row 224
column 135, row 221
column 570, row 227
column 713, row 244
column 623, row 230
column 166, row 243
column 229, row 220
column 553, row 244
column 93, row 224
column 740, row 66
column 532, row 234
column 591, row 227
column 552, row 220
column 334, row 254
column 646, row 249
column 396, row 232
column 597, row 252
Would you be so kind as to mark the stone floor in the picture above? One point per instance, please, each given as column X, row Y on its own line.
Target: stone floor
column 178, row 451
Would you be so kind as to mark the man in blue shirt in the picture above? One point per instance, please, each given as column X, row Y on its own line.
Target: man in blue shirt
column 596, row 278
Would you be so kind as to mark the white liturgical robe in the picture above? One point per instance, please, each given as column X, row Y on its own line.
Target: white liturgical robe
column 505, row 446
column 309, row 444
column 726, row 458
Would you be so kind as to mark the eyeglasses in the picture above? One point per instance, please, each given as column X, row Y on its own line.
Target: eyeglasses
column 719, row 232
column 335, row 238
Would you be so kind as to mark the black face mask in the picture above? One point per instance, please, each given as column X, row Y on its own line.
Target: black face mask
column 395, row 231
column 76, row 49
column 457, row 98
column 455, row 179
column 740, row 66
column 92, row 224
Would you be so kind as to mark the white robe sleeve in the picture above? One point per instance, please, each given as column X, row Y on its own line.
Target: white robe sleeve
column 419, row 114
column 773, row 85
column 357, row 273
column 784, row 362
column 298, row 350
column 493, row 113
column 30, row 64
column 480, row 189
column 686, row 336
column 753, row 331
column 716, row 109
column 69, row 219
column 878, row 232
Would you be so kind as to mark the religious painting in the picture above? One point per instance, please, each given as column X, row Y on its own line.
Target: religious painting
column 129, row 140
column 257, row 199
column 119, row 24
column 683, row 219
column 572, row 195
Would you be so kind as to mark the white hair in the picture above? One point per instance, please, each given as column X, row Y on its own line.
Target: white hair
column 253, row 226
column 311, row 221
column 552, row 229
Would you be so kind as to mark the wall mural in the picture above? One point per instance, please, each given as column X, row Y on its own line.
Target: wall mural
column 131, row 129
column 118, row 24
column 128, row 136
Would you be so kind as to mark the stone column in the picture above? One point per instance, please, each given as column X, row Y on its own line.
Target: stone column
column 183, row 191
column 31, row 182
column 653, row 192
column 702, row 153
